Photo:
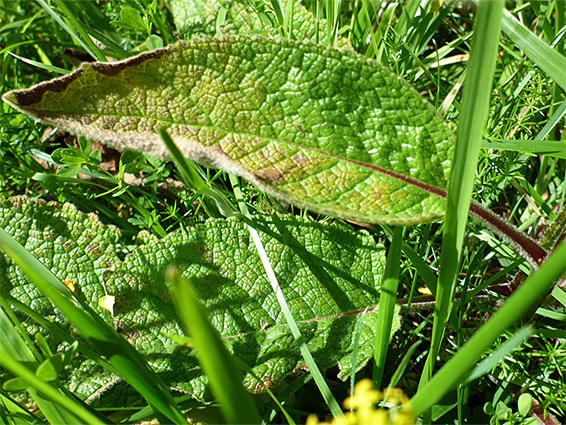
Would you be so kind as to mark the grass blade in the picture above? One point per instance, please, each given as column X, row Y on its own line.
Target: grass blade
column 95, row 53
column 398, row 374
column 40, row 65
column 489, row 363
column 235, row 402
column 387, row 305
column 475, row 108
column 78, row 27
column 552, row 122
column 355, row 353
column 549, row 147
column 546, row 58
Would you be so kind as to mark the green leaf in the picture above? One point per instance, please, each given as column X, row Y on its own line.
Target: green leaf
column 502, row 411
column 324, row 129
column 218, row 17
column 154, row 42
column 69, row 170
column 69, row 156
column 49, row 369
column 14, row 384
column 329, row 274
column 131, row 19
column 524, row 404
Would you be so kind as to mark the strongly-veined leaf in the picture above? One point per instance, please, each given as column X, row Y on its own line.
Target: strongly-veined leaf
column 329, row 275
column 195, row 17
column 200, row 19
column 325, row 129
column 245, row 21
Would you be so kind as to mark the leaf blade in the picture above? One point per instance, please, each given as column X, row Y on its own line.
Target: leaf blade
column 329, row 274
column 325, row 129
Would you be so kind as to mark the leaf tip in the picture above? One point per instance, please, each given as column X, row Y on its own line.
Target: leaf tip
column 9, row 98
column 24, row 98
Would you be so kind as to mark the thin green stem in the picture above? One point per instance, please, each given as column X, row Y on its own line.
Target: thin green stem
column 305, row 352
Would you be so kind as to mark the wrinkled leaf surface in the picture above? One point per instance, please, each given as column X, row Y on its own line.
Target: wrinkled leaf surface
column 329, row 274
column 324, row 129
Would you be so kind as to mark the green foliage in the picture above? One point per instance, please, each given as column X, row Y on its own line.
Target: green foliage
column 196, row 19
column 330, row 275
column 502, row 414
column 520, row 174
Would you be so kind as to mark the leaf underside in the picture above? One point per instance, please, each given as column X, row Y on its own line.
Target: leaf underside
column 322, row 128
column 329, row 274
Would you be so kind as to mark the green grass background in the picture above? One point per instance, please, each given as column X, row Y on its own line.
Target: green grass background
column 516, row 96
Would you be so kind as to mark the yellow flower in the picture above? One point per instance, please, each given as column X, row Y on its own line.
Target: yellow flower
column 363, row 408
column 396, row 397
column 365, row 396
column 312, row 419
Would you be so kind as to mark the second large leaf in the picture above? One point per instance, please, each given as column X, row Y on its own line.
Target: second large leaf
column 322, row 128
column 329, row 274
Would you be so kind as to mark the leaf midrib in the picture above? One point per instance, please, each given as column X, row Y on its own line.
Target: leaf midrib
column 435, row 190
column 266, row 329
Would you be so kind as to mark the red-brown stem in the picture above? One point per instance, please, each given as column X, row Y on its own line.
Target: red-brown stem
column 526, row 247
